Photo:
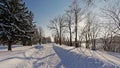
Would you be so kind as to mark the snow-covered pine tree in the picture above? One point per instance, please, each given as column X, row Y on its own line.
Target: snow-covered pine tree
column 15, row 22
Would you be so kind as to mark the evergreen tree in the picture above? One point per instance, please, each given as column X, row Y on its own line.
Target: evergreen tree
column 15, row 22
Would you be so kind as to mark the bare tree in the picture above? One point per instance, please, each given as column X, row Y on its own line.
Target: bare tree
column 87, row 30
column 90, row 31
column 112, row 13
column 77, row 14
column 94, row 34
column 94, row 29
column 57, row 25
column 69, row 25
column 107, row 37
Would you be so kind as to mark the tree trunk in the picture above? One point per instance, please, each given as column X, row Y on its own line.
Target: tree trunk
column 76, row 22
column 9, row 46
column 24, row 43
column 94, row 44
column 60, row 41
column 87, row 44
column 40, row 41
column 30, row 43
column 70, row 41
column 70, row 37
column 86, row 41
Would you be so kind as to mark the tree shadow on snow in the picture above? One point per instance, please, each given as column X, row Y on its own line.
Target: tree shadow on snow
column 26, row 55
column 6, row 47
column 108, row 59
column 71, row 59
column 38, row 47
column 38, row 62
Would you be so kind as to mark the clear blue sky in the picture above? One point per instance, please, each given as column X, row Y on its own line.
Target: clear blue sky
column 45, row 10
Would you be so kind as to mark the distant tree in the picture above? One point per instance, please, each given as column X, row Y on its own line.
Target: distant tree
column 41, row 34
column 56, row 39
column 57, row 25
column 107, row 37
column 35, row 36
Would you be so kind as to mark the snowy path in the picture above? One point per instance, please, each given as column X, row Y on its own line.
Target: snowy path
column 45, row 57
column 55, row 56
column 41, row 57
column 85, row 58
column 38, row 56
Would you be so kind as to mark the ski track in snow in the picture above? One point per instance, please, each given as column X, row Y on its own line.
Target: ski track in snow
column 55, row 56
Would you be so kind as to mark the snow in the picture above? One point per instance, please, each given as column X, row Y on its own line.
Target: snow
column 56, row 56
column 37, row 56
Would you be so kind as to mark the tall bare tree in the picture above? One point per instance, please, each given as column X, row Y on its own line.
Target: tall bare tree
column 77, row 14
column 69, row 25
column 87, row 30
column 90, row 30
column 57, row 25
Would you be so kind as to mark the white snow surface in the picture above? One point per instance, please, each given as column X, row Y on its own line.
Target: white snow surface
column 56, row 56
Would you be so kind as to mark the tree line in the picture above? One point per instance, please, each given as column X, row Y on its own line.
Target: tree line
column 82, row 24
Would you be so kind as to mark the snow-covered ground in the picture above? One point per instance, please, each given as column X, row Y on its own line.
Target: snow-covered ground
column 55, row 56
